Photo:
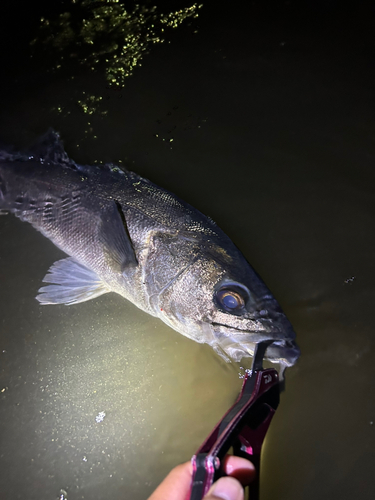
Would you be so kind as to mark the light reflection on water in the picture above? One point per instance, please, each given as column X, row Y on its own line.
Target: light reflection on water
column 112, row 397
column 274, row 143
column 63, row 495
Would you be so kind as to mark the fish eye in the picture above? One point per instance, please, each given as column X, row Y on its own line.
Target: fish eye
column 231, row 298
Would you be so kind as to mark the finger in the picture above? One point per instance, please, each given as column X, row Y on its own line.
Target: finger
column 239, row 468
column 175, row 485
column 178, row 481
column 226, row 488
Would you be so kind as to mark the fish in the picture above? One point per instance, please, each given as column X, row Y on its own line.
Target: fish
column 124, row 234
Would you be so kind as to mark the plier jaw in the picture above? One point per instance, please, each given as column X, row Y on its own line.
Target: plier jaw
column 243, row 427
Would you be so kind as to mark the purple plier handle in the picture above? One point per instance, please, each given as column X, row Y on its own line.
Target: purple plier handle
column 243, row 427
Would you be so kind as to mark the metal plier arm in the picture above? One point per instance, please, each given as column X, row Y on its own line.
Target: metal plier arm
column 243, row 427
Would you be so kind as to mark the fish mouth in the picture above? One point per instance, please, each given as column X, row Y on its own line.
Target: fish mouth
column 238, row 343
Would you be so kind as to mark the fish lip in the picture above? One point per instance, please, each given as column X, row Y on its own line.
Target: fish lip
column 287, row 354
column 232, row 329
column 279, row 336
column 239, row 343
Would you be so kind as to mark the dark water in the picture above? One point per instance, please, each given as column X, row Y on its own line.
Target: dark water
column 271, row 112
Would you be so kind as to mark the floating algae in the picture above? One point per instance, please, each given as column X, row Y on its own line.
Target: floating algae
column 105, row 35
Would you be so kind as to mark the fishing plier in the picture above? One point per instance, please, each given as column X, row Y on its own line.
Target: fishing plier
column 243, row 428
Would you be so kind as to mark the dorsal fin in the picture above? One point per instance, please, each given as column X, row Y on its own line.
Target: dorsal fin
column 50, row 148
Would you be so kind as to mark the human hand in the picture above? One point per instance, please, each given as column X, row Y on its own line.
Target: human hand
column 176, row 485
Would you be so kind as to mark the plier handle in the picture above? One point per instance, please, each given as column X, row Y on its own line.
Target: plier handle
column 243, row 427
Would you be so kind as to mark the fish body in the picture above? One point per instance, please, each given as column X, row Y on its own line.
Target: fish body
column 124, row 234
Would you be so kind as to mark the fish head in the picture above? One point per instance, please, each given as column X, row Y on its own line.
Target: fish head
column 217, row 298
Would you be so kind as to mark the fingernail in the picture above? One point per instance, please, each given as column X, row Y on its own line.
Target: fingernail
column 226, row 488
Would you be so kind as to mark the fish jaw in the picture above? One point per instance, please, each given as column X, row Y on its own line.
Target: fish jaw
column 237, row 344
column 285, row 352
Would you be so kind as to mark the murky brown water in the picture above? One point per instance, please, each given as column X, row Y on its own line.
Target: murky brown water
column 272, row 120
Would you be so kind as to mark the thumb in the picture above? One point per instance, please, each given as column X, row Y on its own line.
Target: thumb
column 226, row 488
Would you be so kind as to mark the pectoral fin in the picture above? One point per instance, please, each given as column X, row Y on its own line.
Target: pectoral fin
column 72, row 283
column 115, row 237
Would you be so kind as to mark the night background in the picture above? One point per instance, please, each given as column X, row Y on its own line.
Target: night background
column 260, row 115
